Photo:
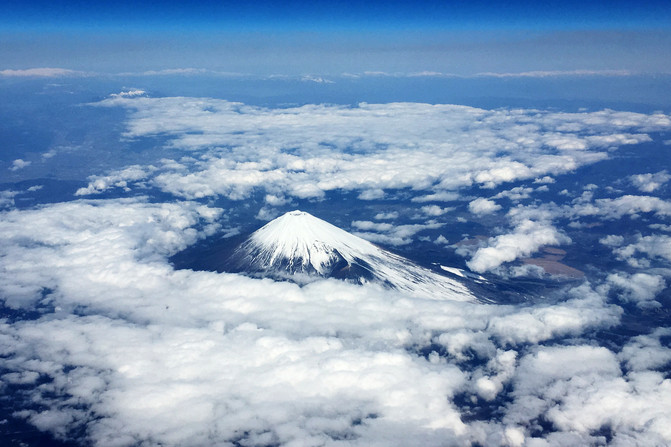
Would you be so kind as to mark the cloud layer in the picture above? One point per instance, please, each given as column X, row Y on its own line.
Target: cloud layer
column 126, row 345
column 119, row 344
column 307, row 151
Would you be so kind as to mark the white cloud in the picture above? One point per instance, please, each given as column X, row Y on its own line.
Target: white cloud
column 661, row 227
column 612, row 240
column 652, row 247
column 176, row 71
column 276, row 200
column 7, row 198
column 641, row 288
column 581, row 389
column 19, row 164
column 129, row 93
column 523, row 74
column 40, row 72
column 435, row 210
column 267, row 214
column 441, row 240
column 371, row 194
column 646, row 351
column 138, row 345
column 49, row 154
column 442, row 196
column 316, row 79
column 649, row 182
column 387, row 216
column 389, row 234
column 127, row 345
column 501, row 368
column 586, row 307
column 546, row 179
column 306, row 151
column 527, row 237
column 516, row 194
column 624, row 205
column 557, row 73
column 482, row 206
column 116, row 179
column 367, row 225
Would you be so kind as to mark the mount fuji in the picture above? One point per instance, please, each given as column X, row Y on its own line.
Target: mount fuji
column 302, row 248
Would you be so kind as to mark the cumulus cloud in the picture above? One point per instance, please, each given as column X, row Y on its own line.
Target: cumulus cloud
column 435, row 210
column 581, row 389
column 128, row 345
column 442, row 196
column 500, row 370
column 641, row 288
column 649, row 182
column 546, row 179
column 646, row 352
column 441, row 240
column 625, row 205
column 19, row 164
column 276, row 200
column 389, row 234
column 612, row 240
column 534, row 226
column 650, row 247
column 124, row 345
column 117, row 179
column 129, row 93
column 432, row 149
column 371, row 194
column 387, row 216
column 528, row 236
column 662, row 227
column 7, row 198
column 482, row 206
column 518, row 193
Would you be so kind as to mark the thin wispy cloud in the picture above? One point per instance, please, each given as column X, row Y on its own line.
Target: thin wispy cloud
column 41, row 72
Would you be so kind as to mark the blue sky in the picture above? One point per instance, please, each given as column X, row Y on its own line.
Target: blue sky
column 296, row 37
column 340, row 15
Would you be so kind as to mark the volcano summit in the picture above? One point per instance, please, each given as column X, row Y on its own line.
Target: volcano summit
column 302, row 248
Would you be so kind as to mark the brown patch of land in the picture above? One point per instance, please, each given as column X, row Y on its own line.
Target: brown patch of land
column 549, row 262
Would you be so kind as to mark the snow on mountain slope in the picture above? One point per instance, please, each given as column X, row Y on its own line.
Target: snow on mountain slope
column 301, row 247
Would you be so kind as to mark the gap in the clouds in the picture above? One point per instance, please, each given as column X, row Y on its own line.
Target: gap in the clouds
column 343, row 209
column 474, row 408
column 15, row 431
column 39, row 191
column 53, row 126
column 42, row 306
column 610, row 179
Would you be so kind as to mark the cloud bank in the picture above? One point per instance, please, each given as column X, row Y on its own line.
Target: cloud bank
column 304, row 152
column 126, row 345
column 119, row 344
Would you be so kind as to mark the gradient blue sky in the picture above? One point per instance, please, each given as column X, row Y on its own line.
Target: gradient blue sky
column 296, row 37
column 341, row 15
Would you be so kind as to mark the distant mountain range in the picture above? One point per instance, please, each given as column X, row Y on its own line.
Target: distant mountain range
column 302, row 248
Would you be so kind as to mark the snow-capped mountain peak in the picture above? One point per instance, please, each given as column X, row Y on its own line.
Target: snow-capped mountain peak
column 301, row 247
column 307, row 243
